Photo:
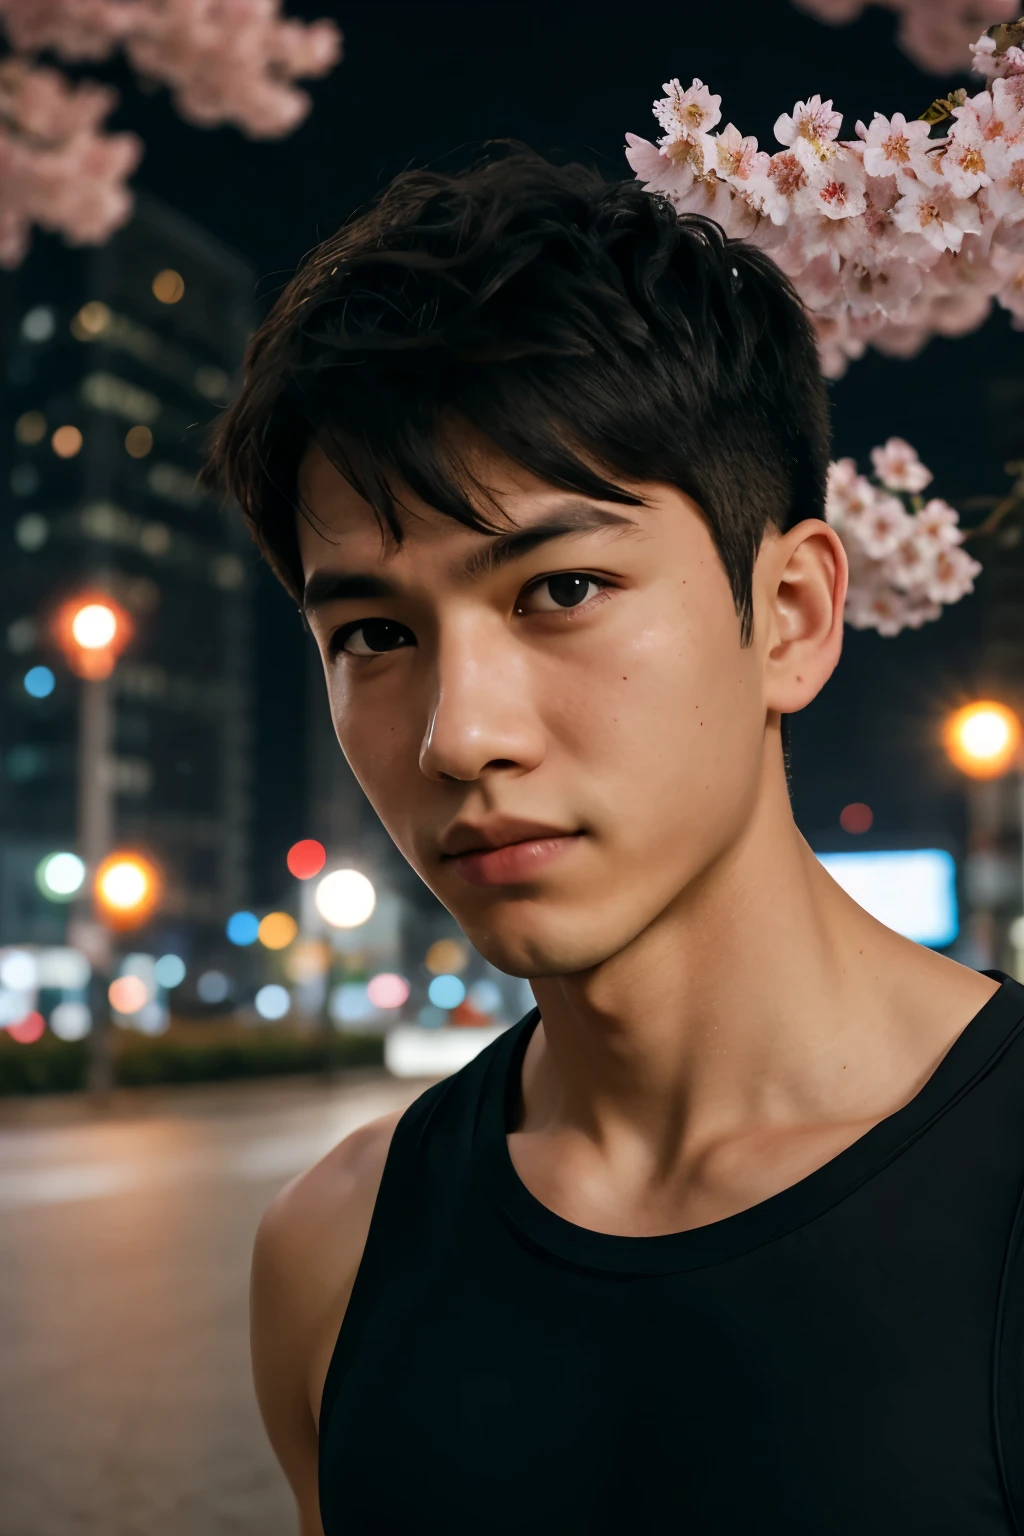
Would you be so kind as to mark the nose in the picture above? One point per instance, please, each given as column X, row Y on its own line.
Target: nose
column 484, row 715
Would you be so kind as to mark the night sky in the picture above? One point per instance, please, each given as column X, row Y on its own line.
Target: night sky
column 423, row 81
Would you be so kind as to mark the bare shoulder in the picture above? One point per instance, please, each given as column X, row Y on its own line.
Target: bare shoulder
column 307, row 1251
column 311, row 1239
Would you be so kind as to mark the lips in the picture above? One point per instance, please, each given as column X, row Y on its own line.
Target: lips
column 497, row 832
column 514, row 863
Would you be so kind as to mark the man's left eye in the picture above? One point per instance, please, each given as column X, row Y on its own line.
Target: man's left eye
column 566, row 590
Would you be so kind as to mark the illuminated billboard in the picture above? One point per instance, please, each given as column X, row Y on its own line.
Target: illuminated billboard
column 912, row 891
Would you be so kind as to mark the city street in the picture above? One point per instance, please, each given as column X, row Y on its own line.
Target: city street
column 126, row 1407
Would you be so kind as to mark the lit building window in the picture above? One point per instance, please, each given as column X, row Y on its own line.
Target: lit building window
column 212, row 382
column 138, row 441
column 91, row 321
column 30, row 428
column 66, row 442
column 38, row 324
column 31, row 532
column 155, row 539
column 168, row 286
column 106, row 392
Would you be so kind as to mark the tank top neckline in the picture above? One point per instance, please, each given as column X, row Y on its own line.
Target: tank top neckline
column 973, row 1053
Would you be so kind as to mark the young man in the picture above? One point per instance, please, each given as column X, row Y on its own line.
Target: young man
column 718, row 1238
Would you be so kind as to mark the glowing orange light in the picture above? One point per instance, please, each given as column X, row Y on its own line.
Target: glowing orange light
column 92, row 630
column 983, row 739
column 128, row 994
column 306, row 858
column 277, row 930
column 66, row 442
column 127, row 889
column 28, row 1030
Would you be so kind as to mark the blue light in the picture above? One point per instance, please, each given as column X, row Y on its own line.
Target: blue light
column 446, row 991
column 912, row 891
column 242, row 928
column 39, row 682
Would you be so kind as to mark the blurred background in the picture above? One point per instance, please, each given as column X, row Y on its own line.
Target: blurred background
column 212, row 961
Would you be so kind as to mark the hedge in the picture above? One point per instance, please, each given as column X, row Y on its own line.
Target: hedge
column 56, row 1066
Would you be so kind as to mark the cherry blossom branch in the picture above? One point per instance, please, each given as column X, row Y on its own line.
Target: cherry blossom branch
column 57, row 169
column 905, row 558
column 936, row 34
column 889, row 238
column 225, row 61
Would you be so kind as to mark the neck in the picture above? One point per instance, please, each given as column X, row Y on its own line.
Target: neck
column 762, row 996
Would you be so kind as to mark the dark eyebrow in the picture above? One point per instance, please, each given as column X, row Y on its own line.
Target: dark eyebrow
column 569, row 517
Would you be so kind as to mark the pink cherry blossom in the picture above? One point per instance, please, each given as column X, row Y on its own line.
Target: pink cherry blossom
column 894, row 147
column 890, row 238
column 935, row 33
column 813, row 121
column 936, row 214
column 687, row 114
column 226, row 61
column 899, row 468
column 905, row 560
column 952, row 576
column 938, row 524
column 57, row 168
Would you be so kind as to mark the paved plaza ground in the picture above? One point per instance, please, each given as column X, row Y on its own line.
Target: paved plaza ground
column 126, row 1406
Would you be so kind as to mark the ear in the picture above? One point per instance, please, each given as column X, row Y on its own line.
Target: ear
column 800, row 581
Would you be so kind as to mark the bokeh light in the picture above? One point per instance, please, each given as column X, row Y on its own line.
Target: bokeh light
column 71, row 1020
column 94, row 626
column 213, row 987
column 350, row 1003
column 19, row 970
column 272, row 1001
column 30, row 428
column 485, row 996
column 138, row 441
column 60, row 876
column 856, row 818
column 307, row 961
column 242, row 928
column 127, row 994
column 983, row 739
column 28, row 1030
column 169, row 972
column 345, row 898
column 387, row 990
column 446, row 991
column 39, row 682
column 168, row 286
column 277, row 930
column 127, row 888
column 91, row 320
column 306, row 858
column 446, row 956
column 431, row 1017
column 66, row 442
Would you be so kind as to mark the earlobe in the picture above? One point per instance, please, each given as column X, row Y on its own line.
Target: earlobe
column 806, row 578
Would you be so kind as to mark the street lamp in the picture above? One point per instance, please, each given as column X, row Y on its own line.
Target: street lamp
column 984, row 740
column 92, row 630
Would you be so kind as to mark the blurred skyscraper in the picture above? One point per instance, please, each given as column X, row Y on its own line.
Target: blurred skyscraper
column 115, row 361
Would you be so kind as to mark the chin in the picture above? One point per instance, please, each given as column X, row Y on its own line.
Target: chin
column 536, row 941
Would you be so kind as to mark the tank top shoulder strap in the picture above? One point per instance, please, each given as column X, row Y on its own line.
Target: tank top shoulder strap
column 1008, row 1378
column 426, row 1177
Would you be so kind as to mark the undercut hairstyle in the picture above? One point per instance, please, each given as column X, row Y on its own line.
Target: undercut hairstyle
column 592, row 334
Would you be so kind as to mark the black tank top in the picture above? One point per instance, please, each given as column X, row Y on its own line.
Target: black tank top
column 845, row 1358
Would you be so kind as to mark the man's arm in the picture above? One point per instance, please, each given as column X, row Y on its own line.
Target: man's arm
column 305, row 1259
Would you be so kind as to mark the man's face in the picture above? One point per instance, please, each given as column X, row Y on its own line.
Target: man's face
column 582, row 701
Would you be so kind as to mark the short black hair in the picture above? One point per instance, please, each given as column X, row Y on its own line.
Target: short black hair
column 581, row 325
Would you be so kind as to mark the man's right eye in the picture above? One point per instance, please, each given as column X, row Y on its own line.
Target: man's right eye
column 370, row 637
